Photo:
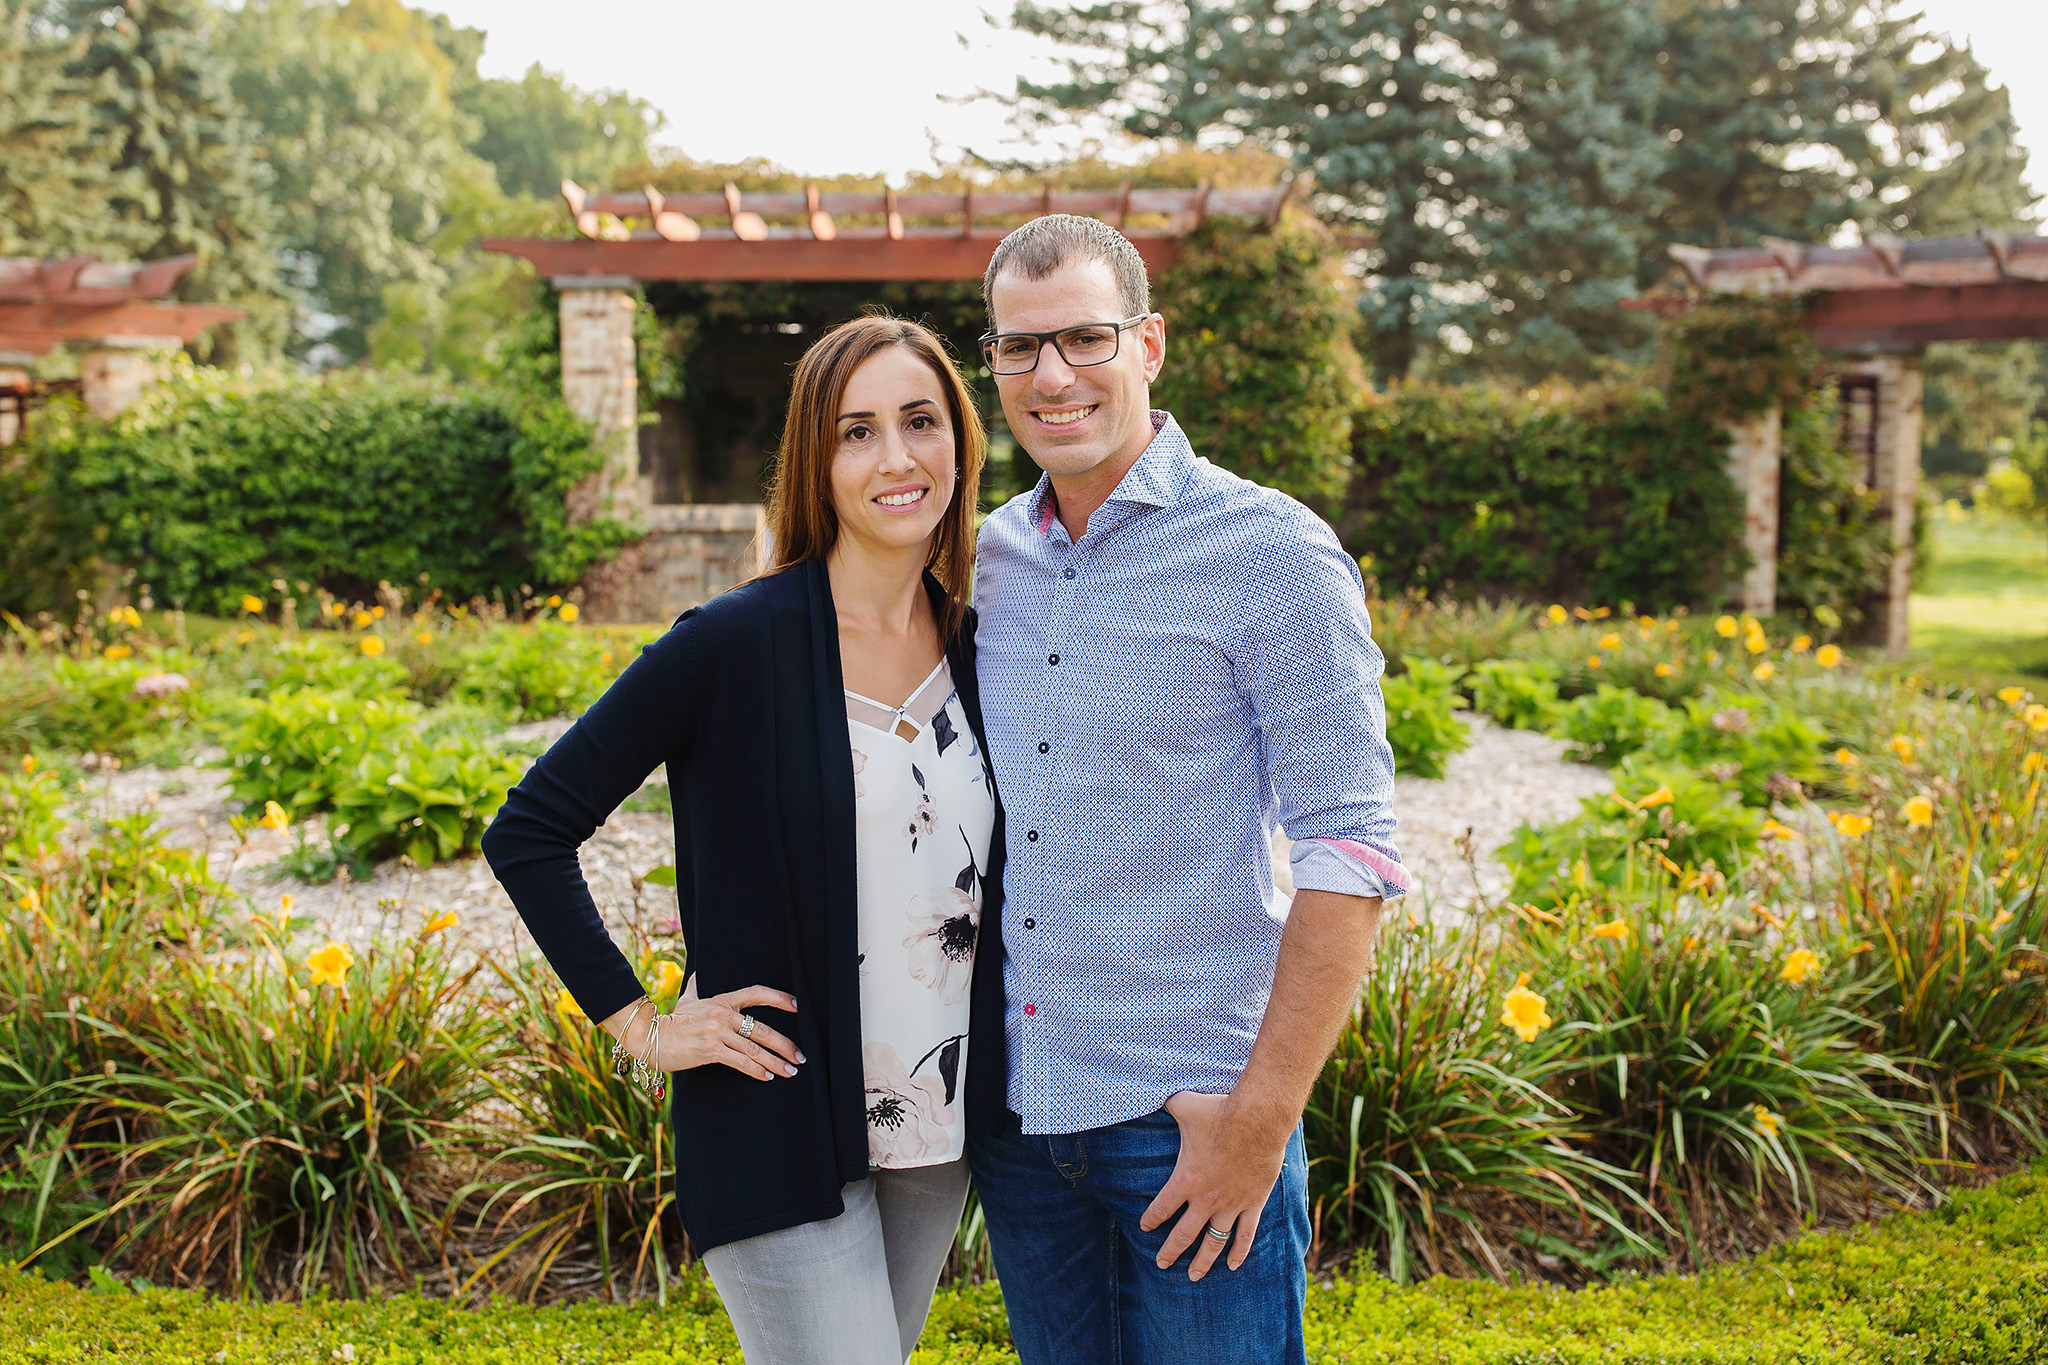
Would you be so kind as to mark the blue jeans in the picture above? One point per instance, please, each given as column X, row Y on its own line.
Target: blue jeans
column 1081, row 1279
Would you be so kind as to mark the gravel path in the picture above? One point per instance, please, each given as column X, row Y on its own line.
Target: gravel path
column 1505, row 778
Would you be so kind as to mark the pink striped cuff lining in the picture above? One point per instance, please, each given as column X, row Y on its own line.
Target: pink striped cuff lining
column 1390, row 872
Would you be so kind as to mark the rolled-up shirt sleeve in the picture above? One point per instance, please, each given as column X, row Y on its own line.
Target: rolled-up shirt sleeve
column 1313, row 676
column 642, row 721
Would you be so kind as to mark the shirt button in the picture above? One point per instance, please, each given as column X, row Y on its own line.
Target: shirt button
column 1070, row 571
column 1052, row 658
column 1031, row 1009
column 1030, row 923
column 1043, row 746
column 1031, row 836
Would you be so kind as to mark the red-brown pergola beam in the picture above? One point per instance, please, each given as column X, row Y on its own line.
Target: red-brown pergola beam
column 1866, row 319
column 37, row 327
column 796, row 258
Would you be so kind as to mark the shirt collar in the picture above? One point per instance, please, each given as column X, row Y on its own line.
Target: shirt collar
column 1156, row 480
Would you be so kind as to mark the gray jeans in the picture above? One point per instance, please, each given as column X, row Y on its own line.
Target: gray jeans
column 851, row 1290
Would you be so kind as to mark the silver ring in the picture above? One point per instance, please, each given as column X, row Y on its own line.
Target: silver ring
column 1220, row 1234
column 746, row 1026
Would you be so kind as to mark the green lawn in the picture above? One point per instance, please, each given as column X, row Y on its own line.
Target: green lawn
column 1981, row 615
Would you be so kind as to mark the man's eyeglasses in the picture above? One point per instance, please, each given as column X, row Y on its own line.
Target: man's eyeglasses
column 1089, row 343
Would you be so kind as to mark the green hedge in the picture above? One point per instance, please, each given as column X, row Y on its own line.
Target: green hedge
column 215, row 486
column 1604, row 494
column 1968, row 1283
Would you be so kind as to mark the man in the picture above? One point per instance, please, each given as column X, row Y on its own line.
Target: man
column 1172, row 660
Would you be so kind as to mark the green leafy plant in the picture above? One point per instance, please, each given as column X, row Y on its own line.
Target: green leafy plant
column 1760, row 745
column 1617, row 845
column 301, row 748
column 537, row 670
column 428, row 802
column 1611, row 723
column 1521, row 695
column 1422, row 717
column 328, row 662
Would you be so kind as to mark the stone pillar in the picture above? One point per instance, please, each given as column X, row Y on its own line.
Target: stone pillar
column 1895, row 444
column 1753, row 463
column 600, row 385
column 116, row 371
column 691, row 553
column 16, row 382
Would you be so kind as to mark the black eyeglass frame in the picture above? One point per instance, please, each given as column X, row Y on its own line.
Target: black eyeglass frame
column 988, row 342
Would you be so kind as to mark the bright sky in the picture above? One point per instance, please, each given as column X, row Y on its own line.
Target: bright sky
column 883, row 85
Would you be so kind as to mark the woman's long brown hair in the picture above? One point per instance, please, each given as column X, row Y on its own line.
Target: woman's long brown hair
column 801, row 517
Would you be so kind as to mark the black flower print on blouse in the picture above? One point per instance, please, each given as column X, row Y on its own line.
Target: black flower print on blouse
column 925, row 817
column 944, row 925
column 943, row 731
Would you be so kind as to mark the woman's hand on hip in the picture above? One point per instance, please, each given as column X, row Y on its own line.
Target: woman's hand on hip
column 708, row 1032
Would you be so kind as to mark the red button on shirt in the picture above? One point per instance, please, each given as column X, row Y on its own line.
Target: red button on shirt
column 1031, row 1009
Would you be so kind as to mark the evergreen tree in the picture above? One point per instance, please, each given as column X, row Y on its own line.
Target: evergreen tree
column 190, row 177
column 55, row 187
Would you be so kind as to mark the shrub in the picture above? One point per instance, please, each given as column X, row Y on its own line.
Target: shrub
column 329, row 662
column 131, row 706
column 281, row 1124
column 1612, row 723
column 300, row 748
column 1519, row 694
column 427, row 801
column 1605, row 494
column 214, row 486
column 537, row 670
column 1422, row 718
column 1263, row 375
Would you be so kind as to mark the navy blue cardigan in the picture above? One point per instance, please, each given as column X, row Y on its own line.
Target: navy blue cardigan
column 743, row 699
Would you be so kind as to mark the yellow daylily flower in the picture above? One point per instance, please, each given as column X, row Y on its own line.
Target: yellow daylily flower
column 1725, row 627
column 1851, row 825
column 329, row 965
column 1592, row 661
column 371, row 645
column 1557, row 615
column 1664, row 670
column 125, row 616
column 1919, row 811
column 1846, row 758
column 555, row 600
column 274, row 816
column 425, row 637
column 668, row 978
column 28, row 763
column 243, row 637
column 118, row 652
column 566, row 1006
column 2031, row 763
column 1756, row 644
column 436, row 923
column 1660, row 797
column 1763, row 671
column 1616, row 930
column 30, row 901
column 2012, row 696
column 1766, row 1122
column 1690, row 943
column 362, row 618
column 251, row 604
column 1772, row 829
column 1610, row 641
column 1801, row 643
column 285, row 904
column 1524, row 1011
column 1903, row 747
column 1828, row 656
column 1800, row 964
column 376, row 613
column 569, row 612
column 2036, row 716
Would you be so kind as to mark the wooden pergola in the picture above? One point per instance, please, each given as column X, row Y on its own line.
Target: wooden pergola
column 830, row 235
column 116, row 310
column 1874, row 308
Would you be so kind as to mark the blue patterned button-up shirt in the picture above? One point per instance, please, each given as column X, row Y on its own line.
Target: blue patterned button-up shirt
column 1158, row 695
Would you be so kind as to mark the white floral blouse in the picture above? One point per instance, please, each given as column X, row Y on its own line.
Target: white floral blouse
column 923, row 814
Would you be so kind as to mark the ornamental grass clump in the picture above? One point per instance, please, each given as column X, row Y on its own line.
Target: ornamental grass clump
column 1726, row 1082
column 1432, row 1129
column 276, row 1110
column 594, row 1164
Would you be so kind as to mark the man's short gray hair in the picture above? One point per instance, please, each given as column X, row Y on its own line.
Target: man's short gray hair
column 1045, row 244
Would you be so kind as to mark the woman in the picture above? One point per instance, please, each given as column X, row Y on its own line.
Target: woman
column 837, row 859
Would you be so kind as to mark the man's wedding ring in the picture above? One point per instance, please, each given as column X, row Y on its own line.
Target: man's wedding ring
column 746, row 1026
column 1220, row 1234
